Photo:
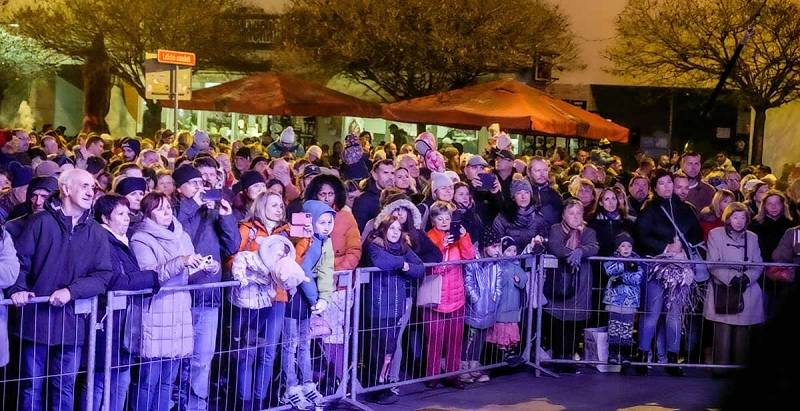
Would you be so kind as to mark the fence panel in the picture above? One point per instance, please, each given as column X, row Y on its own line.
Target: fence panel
column 48, row 354
column 614, row 312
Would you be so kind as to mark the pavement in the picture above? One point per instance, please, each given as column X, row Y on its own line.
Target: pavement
column 590, row 390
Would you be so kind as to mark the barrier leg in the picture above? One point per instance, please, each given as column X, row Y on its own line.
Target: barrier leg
column 354, row 384
column 535, row 343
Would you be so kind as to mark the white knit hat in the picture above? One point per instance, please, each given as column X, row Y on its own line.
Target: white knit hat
column 287, row 136
column 439, row 180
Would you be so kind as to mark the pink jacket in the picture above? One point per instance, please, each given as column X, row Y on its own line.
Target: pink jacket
column 452, row 274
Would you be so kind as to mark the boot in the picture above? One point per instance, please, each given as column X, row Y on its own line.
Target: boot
column 643, row 358
column 674, row 370
column 625, row 354
column 613, row 354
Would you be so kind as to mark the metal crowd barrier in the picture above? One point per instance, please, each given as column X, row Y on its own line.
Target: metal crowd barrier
column 576, row 330
column 49, row 371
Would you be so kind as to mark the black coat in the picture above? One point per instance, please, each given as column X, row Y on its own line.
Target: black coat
column 607, row 230
column 388, row 288
column 367, row 205
column 548, row 202
column 54, row 255
column 769, row 234
column 487, row 205
column 654, row 231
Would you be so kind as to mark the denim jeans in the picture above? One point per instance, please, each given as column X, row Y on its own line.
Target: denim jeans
column 296, row 351
column 655, row 304
column 151, row 390
column 41, row 361
column 267, row 325
column 120, row 381
column 194, row 378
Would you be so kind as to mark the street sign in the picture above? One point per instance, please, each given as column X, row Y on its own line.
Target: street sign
column 181, row 58
column 157, row 80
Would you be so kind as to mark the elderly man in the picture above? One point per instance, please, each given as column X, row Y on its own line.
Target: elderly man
column 39, row 189
column 54, row 264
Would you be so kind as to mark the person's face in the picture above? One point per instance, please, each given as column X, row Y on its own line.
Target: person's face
column 445, row 194
column 254, row 190
column 720, row 159
column 135, row 200
column 23, row 140
column 732, row 182
column 462, row 197
column 241, row 163
column 664, row 187
column 275, row 209
column 209, row 175
column 384, row 176
column 442, row 222
column 167, row 138
column 609, row 201
column 522, row 198
column 276, row 189
column 723, row 203
column 324, row 225
column 586, row 195
column 128, row 154
column 411, row 165
column 96, row 149
column 401, row 214
column 150, row 159
column 510, row 251
column 166, row 185
column 639, row 189
column 202, row 143
column 394, row 232
column 224, row 162
column 691, row 166
column 471, row 172
column 582, row 156
column 616, row 165
column 103, row 181
column 773, row 206
column 402, row 179
column 38, row 198
column 663, row 161
column 573, row 216
column 539, row 172
column 625, row 249
column 190, row 188
column 50, row 146
column 261, row 167
column 81, row 191
column 738, row 220
column 493, row 251
column 761, row 193
column 5, row 183
column 504, row 165
column 365, row 144
column 681, row 187
column 326, row 195
column 119, row 219
column 162, row 215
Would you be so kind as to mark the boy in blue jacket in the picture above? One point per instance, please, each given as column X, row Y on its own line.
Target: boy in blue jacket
column 621, row 298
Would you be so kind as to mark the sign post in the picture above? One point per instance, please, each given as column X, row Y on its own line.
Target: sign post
column 176, row 59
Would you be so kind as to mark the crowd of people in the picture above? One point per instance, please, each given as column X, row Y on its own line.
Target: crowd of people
column 86, row 215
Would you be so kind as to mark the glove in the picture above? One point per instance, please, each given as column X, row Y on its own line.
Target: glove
column 319, row 307
column 574, row 258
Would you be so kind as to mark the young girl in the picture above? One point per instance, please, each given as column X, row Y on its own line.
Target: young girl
column 315, row 256
column 444, row 322
column 505, row 332
column 622, row 299
column 484, row 284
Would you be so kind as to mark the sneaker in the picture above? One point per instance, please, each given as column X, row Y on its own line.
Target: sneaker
column 466, row 378
column 483, row 378
column 382, row 397
column 395, row 390
column 312, row 395
column 295, row 397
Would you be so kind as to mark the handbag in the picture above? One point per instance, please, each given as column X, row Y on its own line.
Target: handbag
column 701, row 272
column 729, row 299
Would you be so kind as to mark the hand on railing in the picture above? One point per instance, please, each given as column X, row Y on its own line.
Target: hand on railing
column 22, row 297
column 60, row 297
column 319, row 307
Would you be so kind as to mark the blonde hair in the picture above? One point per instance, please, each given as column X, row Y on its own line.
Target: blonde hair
column 735, row 208
column 258, row 210
column 441, row 207
column 762, row 212
column 717, row 199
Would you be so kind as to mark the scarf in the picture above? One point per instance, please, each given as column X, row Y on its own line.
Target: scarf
column 524, row 216
column 122, row 238
column 573, row 236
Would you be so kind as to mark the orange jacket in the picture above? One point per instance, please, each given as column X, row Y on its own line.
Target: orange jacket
column 452, row 275
column 249, row 231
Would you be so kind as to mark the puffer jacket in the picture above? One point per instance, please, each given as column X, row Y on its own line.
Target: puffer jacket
column 522, row 226
column 9, row 270
column 346, row 241
column 509, row 306
column 626, row 292
column 387, row 289
column 452, row 274
column 161, row 326
column 484, row 285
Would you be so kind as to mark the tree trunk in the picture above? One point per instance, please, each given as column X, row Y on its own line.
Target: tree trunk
column 151, row 119
column 758, row 136
column 96, row 87
column 421, row 128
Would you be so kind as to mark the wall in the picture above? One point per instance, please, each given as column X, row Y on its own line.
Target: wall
column 782, row 130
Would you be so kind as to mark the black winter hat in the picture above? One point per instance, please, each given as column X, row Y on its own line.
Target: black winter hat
column 132, row 144
column 507, row 242
column 49, row 184
column 184, row 173
column 490, row 237
column 249, row 178
column 243, row 152
column 130, row 184
column 622, row 237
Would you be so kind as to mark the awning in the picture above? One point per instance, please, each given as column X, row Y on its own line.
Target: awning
column 277, row 94
column 513, row 105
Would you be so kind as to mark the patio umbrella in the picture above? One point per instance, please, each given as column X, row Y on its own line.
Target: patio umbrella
column 514, row 105
column 277, row 94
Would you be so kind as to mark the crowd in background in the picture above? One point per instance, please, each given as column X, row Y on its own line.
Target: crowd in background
column 85, row 215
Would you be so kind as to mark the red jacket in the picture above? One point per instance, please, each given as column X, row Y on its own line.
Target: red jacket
column 452, row 274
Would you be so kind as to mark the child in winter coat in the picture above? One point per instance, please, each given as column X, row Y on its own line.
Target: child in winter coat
column 505, row 332
column 315, row 256
column 484, row 284
column 622, row 299
column 444, row 322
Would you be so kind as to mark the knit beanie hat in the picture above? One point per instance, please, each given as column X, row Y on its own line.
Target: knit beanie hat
column 439, row 180
column 453, row 176
column 249, row 178
column 622, row 237
column 315, row 151
column 47, row 168
column 130, row 184
column 520, row 184
column 258, row 160
column 132, row 144
column 20, row 175
column 506, row 242
column 490, row 237
column 287, row 136
column 184, row 173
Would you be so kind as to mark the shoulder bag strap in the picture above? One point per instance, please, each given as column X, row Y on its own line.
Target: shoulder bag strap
column 677, row 230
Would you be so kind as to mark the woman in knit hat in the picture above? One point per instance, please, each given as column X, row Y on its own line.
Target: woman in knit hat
column 521, row 220
column 133, row 189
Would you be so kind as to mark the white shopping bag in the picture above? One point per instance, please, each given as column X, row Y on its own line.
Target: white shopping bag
column 595, row 348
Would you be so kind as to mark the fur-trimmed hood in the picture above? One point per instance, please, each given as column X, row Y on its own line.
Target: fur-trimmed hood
column 408, row 205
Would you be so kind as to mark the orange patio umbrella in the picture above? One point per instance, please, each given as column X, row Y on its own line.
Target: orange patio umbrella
column 277, row 94
column 513, row 105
